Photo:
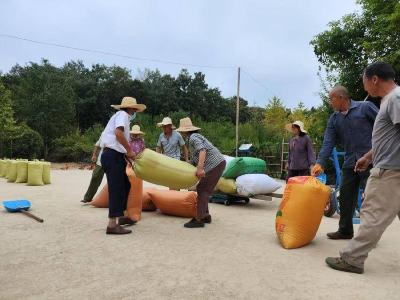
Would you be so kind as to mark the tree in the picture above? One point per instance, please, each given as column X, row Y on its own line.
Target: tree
column 8, row 127
column 358, row 39
column 43, row 99
column 276, row 117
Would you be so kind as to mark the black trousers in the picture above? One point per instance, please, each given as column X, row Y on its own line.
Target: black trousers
column 114, row 165
column 351, row 182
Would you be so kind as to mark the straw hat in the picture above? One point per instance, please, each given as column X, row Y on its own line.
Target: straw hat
column 185, row 125
column 166, row 121
column 298, row 123
column 130, row 102
column 136, row 130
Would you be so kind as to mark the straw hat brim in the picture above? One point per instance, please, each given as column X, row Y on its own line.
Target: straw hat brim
column 139, row 107
column 136, row 132
column 288, row 127
column 159, row 125
column 188, row 129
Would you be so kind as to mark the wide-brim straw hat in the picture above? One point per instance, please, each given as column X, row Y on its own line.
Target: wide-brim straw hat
column 298, row 123
column 185, row 125
column 166, row 121
column 136, row 130
column 129, row 102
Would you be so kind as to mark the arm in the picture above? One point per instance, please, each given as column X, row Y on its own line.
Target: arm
column 288, row 160
column 119, row 134
column 310, row 152
column 363, row 163
column 95, row 153
column 159, row 145
column 185, row 153
column 328, row 144
column 200, row 166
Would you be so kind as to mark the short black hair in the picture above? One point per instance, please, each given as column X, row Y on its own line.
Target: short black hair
column 380, row 69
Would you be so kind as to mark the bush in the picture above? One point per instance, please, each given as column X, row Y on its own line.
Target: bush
column 76, row 146
column 27, row 143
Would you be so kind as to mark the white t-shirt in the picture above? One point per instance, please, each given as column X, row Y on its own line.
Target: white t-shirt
column 108, row 138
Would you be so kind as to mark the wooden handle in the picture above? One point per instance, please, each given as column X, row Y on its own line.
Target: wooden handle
column 31, row 215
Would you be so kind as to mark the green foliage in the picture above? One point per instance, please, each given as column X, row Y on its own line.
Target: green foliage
column 76, row 146
column 352, row 42
column 27, row 144
column 276, row 117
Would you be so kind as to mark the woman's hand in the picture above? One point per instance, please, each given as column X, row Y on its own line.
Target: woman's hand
column 200, row 173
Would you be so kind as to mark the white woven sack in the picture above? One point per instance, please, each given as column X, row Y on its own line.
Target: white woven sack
column 256, row 184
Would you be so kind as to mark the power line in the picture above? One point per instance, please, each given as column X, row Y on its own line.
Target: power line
column 10, row 36
column 257, row 81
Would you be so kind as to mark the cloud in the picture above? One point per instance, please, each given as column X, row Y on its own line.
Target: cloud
column 268, row 39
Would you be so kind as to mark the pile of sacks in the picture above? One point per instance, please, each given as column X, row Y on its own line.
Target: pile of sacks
column 245, row 176
column 169, row 202
column 33, row 173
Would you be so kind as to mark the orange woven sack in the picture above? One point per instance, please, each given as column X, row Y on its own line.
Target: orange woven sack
column 175, row 203
column 134, row 205
column 301, row 210
column 101, row 199
column 147, row 203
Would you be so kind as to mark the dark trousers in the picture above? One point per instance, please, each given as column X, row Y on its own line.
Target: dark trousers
column 114, row 166
column 351, row 182
column 206, row 187
column 95, row 181
column 294, row 173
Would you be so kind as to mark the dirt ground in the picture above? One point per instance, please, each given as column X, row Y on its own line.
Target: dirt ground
column 69, row 256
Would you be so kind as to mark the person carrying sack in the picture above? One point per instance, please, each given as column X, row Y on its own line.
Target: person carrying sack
column 210, row 166
column 116, row 150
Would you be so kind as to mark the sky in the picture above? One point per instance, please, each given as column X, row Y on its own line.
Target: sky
column 269, row 40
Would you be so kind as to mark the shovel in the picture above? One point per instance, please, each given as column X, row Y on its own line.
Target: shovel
column 20, row 206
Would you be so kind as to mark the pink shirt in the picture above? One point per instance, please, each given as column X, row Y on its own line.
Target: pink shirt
column 137, row 145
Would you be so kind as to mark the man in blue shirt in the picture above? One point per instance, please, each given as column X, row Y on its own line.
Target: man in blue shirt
column 350, row 126
column 170, row 142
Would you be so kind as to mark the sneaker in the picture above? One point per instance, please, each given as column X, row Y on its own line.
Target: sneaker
column 117, row 230
column 339, row 264
column 337, row 235
column 207, row 219
column 126, row 221
column 193, row 223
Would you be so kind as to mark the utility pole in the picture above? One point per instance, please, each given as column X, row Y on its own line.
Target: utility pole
column 237, row 112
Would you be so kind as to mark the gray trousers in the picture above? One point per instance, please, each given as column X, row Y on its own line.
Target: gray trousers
column 380, row 207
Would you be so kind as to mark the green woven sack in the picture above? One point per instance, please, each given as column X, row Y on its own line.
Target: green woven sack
column 46, row 172
column 2, row 167
column 35, row 173
column 244, row 165
column 12, row 171
column 22, row 172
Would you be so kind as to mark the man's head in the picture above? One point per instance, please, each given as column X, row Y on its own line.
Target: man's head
column 130, row 111
column 378, row 77
column 339, row 98
column 167, row 129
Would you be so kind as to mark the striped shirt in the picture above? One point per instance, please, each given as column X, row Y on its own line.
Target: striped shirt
column 197, row 142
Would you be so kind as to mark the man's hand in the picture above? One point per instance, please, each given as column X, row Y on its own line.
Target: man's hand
column 131, row 155
column 362, row 164
column 200, row 173
column 94, row 158
column 317, row 170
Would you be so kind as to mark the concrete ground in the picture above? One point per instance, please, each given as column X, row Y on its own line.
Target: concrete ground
column 238, row 256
